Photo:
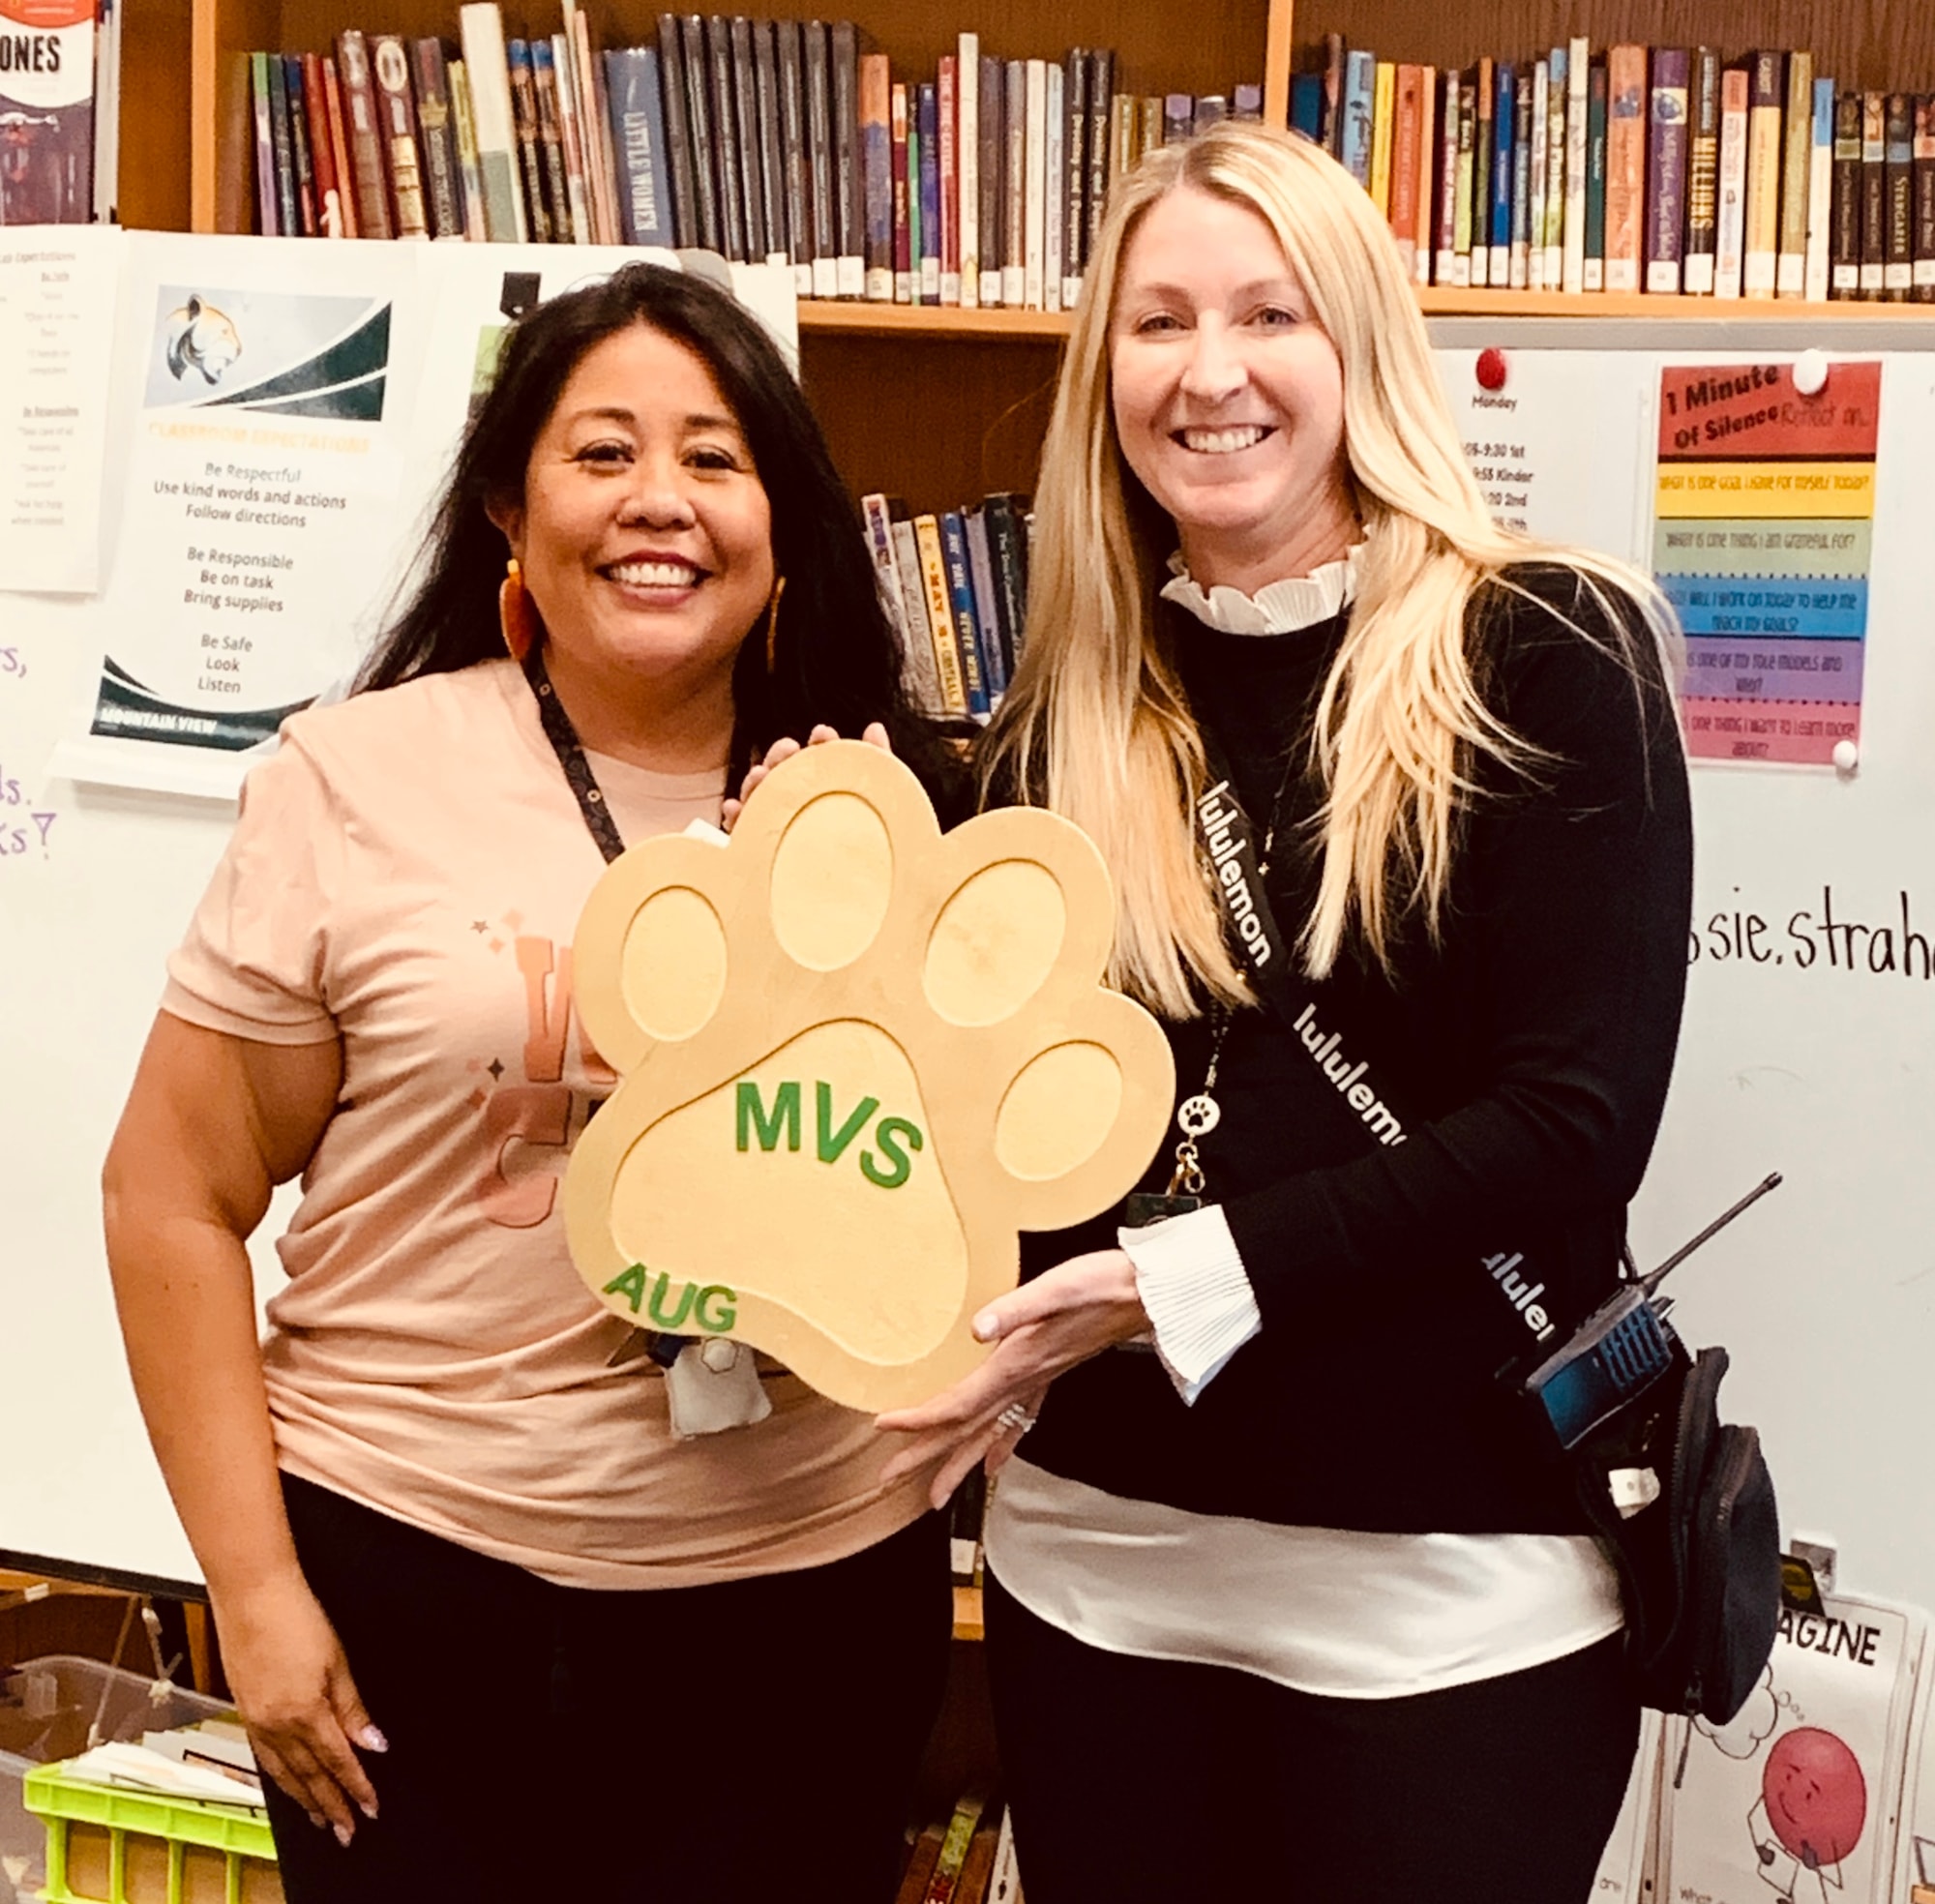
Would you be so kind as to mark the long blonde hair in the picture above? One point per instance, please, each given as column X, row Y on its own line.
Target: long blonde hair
column 1096, row 724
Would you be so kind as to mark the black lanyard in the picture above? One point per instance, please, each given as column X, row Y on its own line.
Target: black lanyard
column 571, row 756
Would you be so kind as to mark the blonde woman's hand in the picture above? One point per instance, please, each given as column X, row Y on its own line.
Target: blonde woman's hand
column 783, row 749
column 293, row 1688
column 1073, row 1311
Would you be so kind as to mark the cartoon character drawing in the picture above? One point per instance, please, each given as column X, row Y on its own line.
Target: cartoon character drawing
column 1813, row 1804
column 204, row 339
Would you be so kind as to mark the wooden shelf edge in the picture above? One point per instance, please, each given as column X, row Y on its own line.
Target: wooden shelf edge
column 819, row 317
column 1446, row 302
column 967, row 1613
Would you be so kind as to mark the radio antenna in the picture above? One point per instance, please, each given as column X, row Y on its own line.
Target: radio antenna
column 1648, row 1284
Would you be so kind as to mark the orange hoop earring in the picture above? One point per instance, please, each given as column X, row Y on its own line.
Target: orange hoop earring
column 516, row 618
column 773, row 619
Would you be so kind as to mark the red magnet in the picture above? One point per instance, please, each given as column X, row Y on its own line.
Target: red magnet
column 1491, row 369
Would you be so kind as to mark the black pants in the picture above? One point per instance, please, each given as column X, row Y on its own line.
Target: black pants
column 1143, row 1779
column 689, row 1745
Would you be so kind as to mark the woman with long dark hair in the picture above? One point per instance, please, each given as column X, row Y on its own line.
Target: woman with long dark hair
column 465, row 1549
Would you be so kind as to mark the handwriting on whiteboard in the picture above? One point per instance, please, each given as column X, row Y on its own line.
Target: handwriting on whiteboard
column 26, row 828
column 13, row 664
column 1818, row 930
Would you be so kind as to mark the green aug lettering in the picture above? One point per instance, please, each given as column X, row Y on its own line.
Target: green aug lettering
column 723, row 1316
column 630, row 1286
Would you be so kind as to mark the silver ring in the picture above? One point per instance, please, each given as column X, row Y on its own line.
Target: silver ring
column 1015, row 1416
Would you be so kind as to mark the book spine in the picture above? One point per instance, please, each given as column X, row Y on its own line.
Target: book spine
column 1762, row 259
column 772, row 160
column 922, row 651
column 1407, row 128
column 1518, row 216
column 849, row 195
column 1555, row 170
column 1540, row 160
column 746, row 137
column 1149, row 123
column 396, row 112
column 1212, row 108
column 915, row 221
column 723, row 126
column 796, row 151
column 1898, row 267
column 365, row 135
column 1330, row 130
column 1730, row 235
column 581, row 150
column 1014, row 184
column 268, row 208
column 1504, row 168
column 439, row 144
column 817, row 80
column 1384, row 106
column 708, row 213
column 1360, row 89
column 1666, row 173
column 1306, row 106
column 1795, row 163
column 1820, row 192
column 327, row 180
column 1702, row 173
column 1007, row 557
column 992, row 170
column 1465, row 238
column 1034, row 205
column 639, row 138
column 551, row 144
column 1126, row 146
column 1446, row 265
column 923, row 688
column 946, row 103
column 1925, row 199
column 1099, row 148
column 987, row 602
column 1075, row 173
column 1578, row 118
column 288, row 207
column 876, row 159
column 1055, row 183
column 1423, row 194
column 487, row 75
column 949, row 662
column 338, row 136
column 1592, row 266
column 1844, row 264
column 301, row 166
column 1625, row 166
column 1483, row 141
column 968, row 164
column 1874, row 196
column 927, row 128
column 960, row 602
column 1178, row 117
column 904, row 190
column 588, row 125
column 530, row 159
column 677, row 130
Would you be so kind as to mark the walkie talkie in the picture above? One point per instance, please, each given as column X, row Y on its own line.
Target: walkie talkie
column 1621, row 1348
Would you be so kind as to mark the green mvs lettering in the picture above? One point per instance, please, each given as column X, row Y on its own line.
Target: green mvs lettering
column 888, row 1166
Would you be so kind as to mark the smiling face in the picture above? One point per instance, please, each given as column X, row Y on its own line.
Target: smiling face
column 645, row 539
column 1228, row 395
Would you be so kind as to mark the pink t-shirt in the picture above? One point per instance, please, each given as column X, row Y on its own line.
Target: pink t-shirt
column 406, row 876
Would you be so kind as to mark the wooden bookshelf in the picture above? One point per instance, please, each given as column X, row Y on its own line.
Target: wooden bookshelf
column 818, row 315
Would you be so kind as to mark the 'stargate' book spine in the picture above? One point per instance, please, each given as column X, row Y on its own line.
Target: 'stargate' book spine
column 1593, row 267
column 1899, row 265
column 796, row 153
column 961, row 601
column 439, row 144
column 818, row 86
column 365, row 135
column 1925, row 199
column 1762, row 261
column 946, row 103
column 772, row 157
column 1790, row 279
column 948, row 661
column 487, row 74
column 746, row 137
column 639, row 138
column 1666, row 173
column 876, row 159
column 551, row 144
column 968, row 164
column 524, row 118
column 850, row 199
column 1820, row 192
column 993, row 164
column 1702, row 173
column 1874, row 196
column 1729, row 239
column 1844, row 264
column 1625, row 166
column 677, row 130
column 1578, row 119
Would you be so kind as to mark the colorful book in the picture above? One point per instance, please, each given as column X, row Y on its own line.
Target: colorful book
column 1504, row 168
column 288, row 207
column 551, row 144
column 876, row 164
column 1055, row 182
column 923, row 684
column 1925, row 201
column 915, row 218
column 443, row 178
column 967, row 166
column 363, row 131
column 1538, row 164
column 396, row 117
column 299, row 154
column 636, row 105
column 849, row 203
column 950, row 663
column 1520, row 217
column 905, row 191
column 1666, row 158
column 1625, row 167
column 1790, row 279
column 1578, row 122
column 48, row 125
column 1330, row 128
column 987, row 602
column 1593, row 267
column 330, row 192
column 927, row 124
column 1731, row 213
column 1465, row 228
column 1383, row 96
column 1098, row 147
column 1005, row 516
column 1360, row 107
column 961, row 602
column 1898, row 259
column 487, row 74
column 946, row 106
column 1014, row 182
column 1702, row 173
column 268, row 208
column 524, row 123
column 1761, row 260
column 1444, row 266
column 1483, row 140
column 1422, row 195
column 1820, row 192
column 1874, row 196
column 990, row 172
column 1844, row 264
column 1407, row 131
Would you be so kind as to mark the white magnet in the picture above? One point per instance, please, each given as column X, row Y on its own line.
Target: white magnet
column 1810, row 373
column 1847, row 756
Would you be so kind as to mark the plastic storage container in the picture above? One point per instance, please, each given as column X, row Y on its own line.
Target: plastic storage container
column 47, row 1708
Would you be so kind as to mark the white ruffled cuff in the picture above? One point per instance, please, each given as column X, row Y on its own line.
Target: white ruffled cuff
column 1193, row 1284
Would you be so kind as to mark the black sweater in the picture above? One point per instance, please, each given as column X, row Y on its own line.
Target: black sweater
column 1526, row 1053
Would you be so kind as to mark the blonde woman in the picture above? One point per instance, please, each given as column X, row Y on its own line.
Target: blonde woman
column 1299, row 1591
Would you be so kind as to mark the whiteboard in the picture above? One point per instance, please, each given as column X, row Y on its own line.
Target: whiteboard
column 1825, row 1293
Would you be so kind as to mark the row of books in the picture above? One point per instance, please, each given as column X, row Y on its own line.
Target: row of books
column 968, row 1857
column 956, row 589
column 1660, row 170
column 60, row 67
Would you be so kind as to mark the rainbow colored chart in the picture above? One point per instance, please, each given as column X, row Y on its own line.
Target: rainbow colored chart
column 1763, row 534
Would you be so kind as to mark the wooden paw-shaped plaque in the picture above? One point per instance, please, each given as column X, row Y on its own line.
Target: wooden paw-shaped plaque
column 856, row 1058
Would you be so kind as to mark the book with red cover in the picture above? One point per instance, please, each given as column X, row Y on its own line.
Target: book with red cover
column 364, row 134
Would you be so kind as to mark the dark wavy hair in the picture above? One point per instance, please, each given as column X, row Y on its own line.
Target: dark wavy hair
column 836, row 659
